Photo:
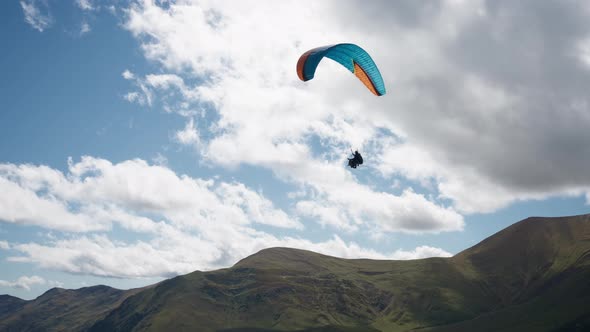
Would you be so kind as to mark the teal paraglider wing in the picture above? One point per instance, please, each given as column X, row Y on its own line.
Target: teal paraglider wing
column 351, row 56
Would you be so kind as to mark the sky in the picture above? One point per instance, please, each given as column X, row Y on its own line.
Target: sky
column 140, row 140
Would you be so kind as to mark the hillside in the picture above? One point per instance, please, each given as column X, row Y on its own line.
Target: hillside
column 63, row 309
column 530, row 276
column 9, row 304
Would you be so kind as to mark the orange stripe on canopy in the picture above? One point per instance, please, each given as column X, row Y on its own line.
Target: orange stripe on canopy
column 362, row 75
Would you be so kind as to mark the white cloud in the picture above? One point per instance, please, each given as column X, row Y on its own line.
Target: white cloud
column 337, row 247
column 144, row 96
column 55, row 283
column 102, row 192
column 193, row 224
column 4, row 245
column 23, row 206
column 258, row 208
column 85, row 4
column 165, row 81
column 476, row 107
column 420, row 252
column 160, row 160
column 100, row 256
column 326, row 214
column 39, row 19
column 176, row 253
column 128, row 75
column 133, row 97
column 266, row 115
column 189, row 135
column 84, row 28
column 342, row 200
column 24, row 282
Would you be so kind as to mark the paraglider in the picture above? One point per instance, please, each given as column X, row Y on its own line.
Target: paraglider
column 356, row 159
column 351, row 56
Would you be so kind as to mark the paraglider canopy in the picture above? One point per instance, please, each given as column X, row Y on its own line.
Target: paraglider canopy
column 351, row 56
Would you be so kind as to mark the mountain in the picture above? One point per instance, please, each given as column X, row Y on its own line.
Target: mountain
column 61, row 309
column 9, row 304
column 531, row 276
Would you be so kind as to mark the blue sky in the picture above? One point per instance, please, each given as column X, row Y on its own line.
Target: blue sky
column 141, row 140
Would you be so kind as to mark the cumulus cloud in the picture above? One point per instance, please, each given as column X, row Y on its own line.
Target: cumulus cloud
column 420, row 252
column 96, row 192
column 189, row 135
column 256, row 206
column 177, row 253
column 84, row 28
column 23, row 206
column 128, row 75
column 24, row 282
column 37, row 14
column 133, row 97
column 501, row 117
column 85, row 4
column 339, row 248
column 192, row 224
column 266, row 117
column 491, row 104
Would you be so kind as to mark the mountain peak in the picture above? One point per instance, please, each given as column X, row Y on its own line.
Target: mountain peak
column 284, row 258
column 541, row 232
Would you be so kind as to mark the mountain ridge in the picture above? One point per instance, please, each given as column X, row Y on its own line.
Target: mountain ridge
column 536, row 268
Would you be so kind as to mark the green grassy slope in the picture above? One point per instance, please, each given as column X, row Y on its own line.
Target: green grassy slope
column 64, row 310
column 542, row 280
column 9, row 304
